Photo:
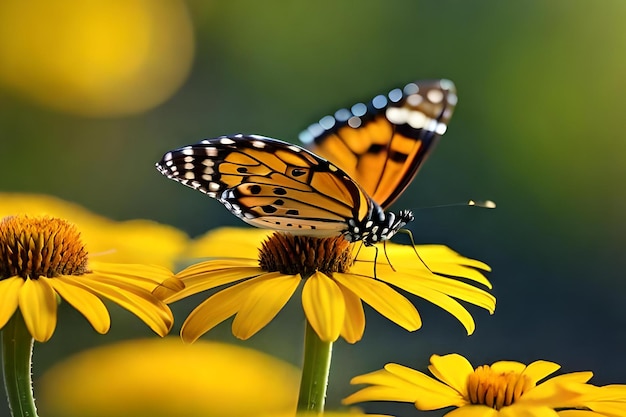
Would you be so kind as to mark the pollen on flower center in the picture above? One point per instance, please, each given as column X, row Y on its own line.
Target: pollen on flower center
column 40, row 246
column 291, row 254
column 496, row 389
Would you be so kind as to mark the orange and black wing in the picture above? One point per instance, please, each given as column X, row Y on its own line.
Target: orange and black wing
column 382, row 144
column 271, row 184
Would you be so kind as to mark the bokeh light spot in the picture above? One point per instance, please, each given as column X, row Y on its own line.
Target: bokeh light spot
column 95, row 58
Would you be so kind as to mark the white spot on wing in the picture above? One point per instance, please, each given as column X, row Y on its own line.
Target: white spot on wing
column 435, row 96
column 416, row 119
column 414, row 100
column 354, row 122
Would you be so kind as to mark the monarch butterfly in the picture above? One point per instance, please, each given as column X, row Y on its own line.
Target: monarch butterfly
column 376, row 149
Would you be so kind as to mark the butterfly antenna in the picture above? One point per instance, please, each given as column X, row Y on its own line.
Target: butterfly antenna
column 488, row 204
column 408, row 232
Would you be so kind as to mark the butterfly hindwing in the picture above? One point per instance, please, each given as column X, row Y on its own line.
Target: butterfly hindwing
column 269, row 183
column 382, row 144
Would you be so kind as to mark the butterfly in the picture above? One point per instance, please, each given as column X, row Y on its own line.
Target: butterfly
column 376, row 149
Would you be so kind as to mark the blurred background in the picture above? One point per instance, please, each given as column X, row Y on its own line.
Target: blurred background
column 93, row 93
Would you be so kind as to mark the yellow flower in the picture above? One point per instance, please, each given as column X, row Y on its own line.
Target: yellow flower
column 43, row 258
column 503, row 389
column 164, row 377
column 136, row 241
column 334, row 284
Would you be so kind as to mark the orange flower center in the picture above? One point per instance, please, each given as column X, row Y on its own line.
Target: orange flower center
column 40, row 246
column 496, row 389
column 291, row 254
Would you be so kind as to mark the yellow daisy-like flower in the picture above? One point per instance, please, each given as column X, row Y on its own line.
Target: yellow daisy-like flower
column 131, row 241
column 503, row 389
column 263, row 277
column 43, row 258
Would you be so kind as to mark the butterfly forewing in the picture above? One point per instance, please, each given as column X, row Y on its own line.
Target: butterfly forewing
column 382, row 144
column 270, row 183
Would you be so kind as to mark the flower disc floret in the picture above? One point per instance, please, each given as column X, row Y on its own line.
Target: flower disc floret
column 41, row 246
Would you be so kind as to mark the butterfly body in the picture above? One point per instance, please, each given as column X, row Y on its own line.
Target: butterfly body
column 376, row 150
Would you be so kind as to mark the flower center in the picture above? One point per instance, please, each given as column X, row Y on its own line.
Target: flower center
column 496, row 390
column 40, row 246
column 304, row 255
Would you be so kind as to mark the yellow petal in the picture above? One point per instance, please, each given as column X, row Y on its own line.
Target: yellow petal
column 538, row 370
column 385, row 387
column 440, row 259
column 141, row 303
column 214, row 310
column 451, row 287
column 265, row 298
column 586, row 413
column 38, row 304
column 202, row 281
column 523, row 410
column 84, row 301
column 508, row 366
column 560, row 391
column 354, row 323
column 439, row 299
column 475, row 411
column 383, row 299
column 324, row 306
column 147, row 277
column 429, row 394
column 9, row 294
column 453, row 370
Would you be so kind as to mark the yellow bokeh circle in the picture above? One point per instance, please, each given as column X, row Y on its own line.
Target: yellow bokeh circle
column 97, row 57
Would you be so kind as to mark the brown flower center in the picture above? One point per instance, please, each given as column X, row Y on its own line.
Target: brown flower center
column 40, row 246
column 304, row 255
column 496, row 389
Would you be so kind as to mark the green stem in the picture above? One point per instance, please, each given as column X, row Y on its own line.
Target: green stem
column 315, row 371
column 17, row 349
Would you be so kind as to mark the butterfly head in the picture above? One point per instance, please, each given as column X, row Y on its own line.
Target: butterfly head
column 378, row 227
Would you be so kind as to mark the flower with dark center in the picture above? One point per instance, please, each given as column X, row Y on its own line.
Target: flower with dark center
column 503, row 389
column 42, row 259
column 260, row 271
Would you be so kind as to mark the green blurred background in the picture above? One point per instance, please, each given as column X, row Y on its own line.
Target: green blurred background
column 539, row 129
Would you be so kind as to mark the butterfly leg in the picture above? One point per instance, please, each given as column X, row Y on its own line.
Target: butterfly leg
column 408, row 232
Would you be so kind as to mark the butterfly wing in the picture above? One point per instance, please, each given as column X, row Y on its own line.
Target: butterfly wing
column 271, row 184
column 381, row 145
